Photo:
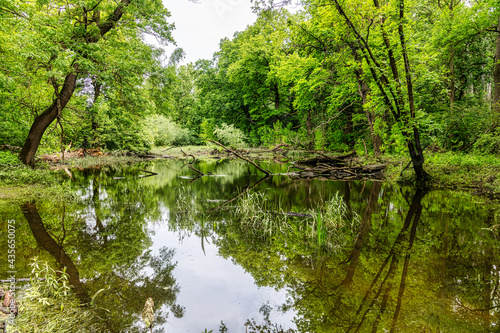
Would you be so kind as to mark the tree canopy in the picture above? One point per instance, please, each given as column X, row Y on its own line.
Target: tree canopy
column 392, row 76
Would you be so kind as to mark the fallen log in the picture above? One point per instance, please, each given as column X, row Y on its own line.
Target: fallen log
column 267, row 172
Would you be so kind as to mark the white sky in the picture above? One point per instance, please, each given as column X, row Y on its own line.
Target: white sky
column 200, row 27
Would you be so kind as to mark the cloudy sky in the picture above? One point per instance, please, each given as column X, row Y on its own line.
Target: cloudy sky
column 200, row 26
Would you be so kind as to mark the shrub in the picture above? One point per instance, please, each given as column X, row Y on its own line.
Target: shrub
column 207, row 128
column 488, row 143
column 158, row 130
column 230, row 136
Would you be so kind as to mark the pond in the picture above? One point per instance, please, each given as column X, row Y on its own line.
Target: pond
column 234, row 251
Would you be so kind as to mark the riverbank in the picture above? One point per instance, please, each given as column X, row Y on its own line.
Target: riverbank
column 19, row 182
column 473, row 173
column 477, row 174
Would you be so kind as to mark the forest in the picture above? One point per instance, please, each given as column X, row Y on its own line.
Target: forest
column 378, row 77
column 161, row 229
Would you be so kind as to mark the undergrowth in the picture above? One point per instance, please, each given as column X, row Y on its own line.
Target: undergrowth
column 90, row 161
column 50, row 306
column 480, row 173
column 466, row 170
column 22, row 175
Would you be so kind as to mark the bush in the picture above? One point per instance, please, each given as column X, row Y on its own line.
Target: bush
column 207, row 128
column 158, row 130
column 488, row 143
column 230, row 136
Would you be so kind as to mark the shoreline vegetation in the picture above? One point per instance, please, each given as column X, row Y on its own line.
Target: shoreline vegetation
column 477, row 174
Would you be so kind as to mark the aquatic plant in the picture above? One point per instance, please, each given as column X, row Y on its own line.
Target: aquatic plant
column 330, row 223
column 48, row 305
column 324, row 225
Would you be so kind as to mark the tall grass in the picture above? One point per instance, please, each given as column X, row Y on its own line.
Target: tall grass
column 328, row 225
column 50, row 306
column 331, row 223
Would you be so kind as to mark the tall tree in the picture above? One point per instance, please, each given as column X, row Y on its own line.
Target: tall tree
column 496, row 74
column 63, row 40
column 384, row 69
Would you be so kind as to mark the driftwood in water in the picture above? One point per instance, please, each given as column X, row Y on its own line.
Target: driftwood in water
column 340, row 160
column 267, row 172
column 149, row 174
column 341, row 167
column 189, row 163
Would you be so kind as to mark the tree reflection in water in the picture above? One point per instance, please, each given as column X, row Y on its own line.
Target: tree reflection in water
column 382, row 285
column 428, row 263
column 125, row 284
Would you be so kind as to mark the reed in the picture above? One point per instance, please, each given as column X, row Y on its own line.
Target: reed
column 49, row 305
column 327, row 225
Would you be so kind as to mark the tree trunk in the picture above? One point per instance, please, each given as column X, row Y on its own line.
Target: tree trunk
column 496, row 76
column 414, row 146
column 364, row 91
column 95, row 125
column 46, row 241
column 42, row 121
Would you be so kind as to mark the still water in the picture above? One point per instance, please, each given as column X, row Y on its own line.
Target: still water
column 223, row 252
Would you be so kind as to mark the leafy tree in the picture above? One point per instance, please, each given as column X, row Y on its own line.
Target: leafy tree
column 62, row 41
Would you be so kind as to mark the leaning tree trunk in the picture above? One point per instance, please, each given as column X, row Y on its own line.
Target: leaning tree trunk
column 42, row 121
column 63, row 95
column 45, row 240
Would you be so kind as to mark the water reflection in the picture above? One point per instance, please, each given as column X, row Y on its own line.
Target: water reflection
column 413, row 262
column 55, row 249
column 112, row 257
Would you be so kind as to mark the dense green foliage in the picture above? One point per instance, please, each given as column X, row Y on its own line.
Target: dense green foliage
column 52, row 306
column 332, row 76
column 304, row 79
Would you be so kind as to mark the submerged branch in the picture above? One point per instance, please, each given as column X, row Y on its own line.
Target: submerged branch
column 267, row 172
column 239, row 195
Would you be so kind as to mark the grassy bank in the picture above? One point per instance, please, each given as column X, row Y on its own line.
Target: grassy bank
column 477, row 173
column 19, row 182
